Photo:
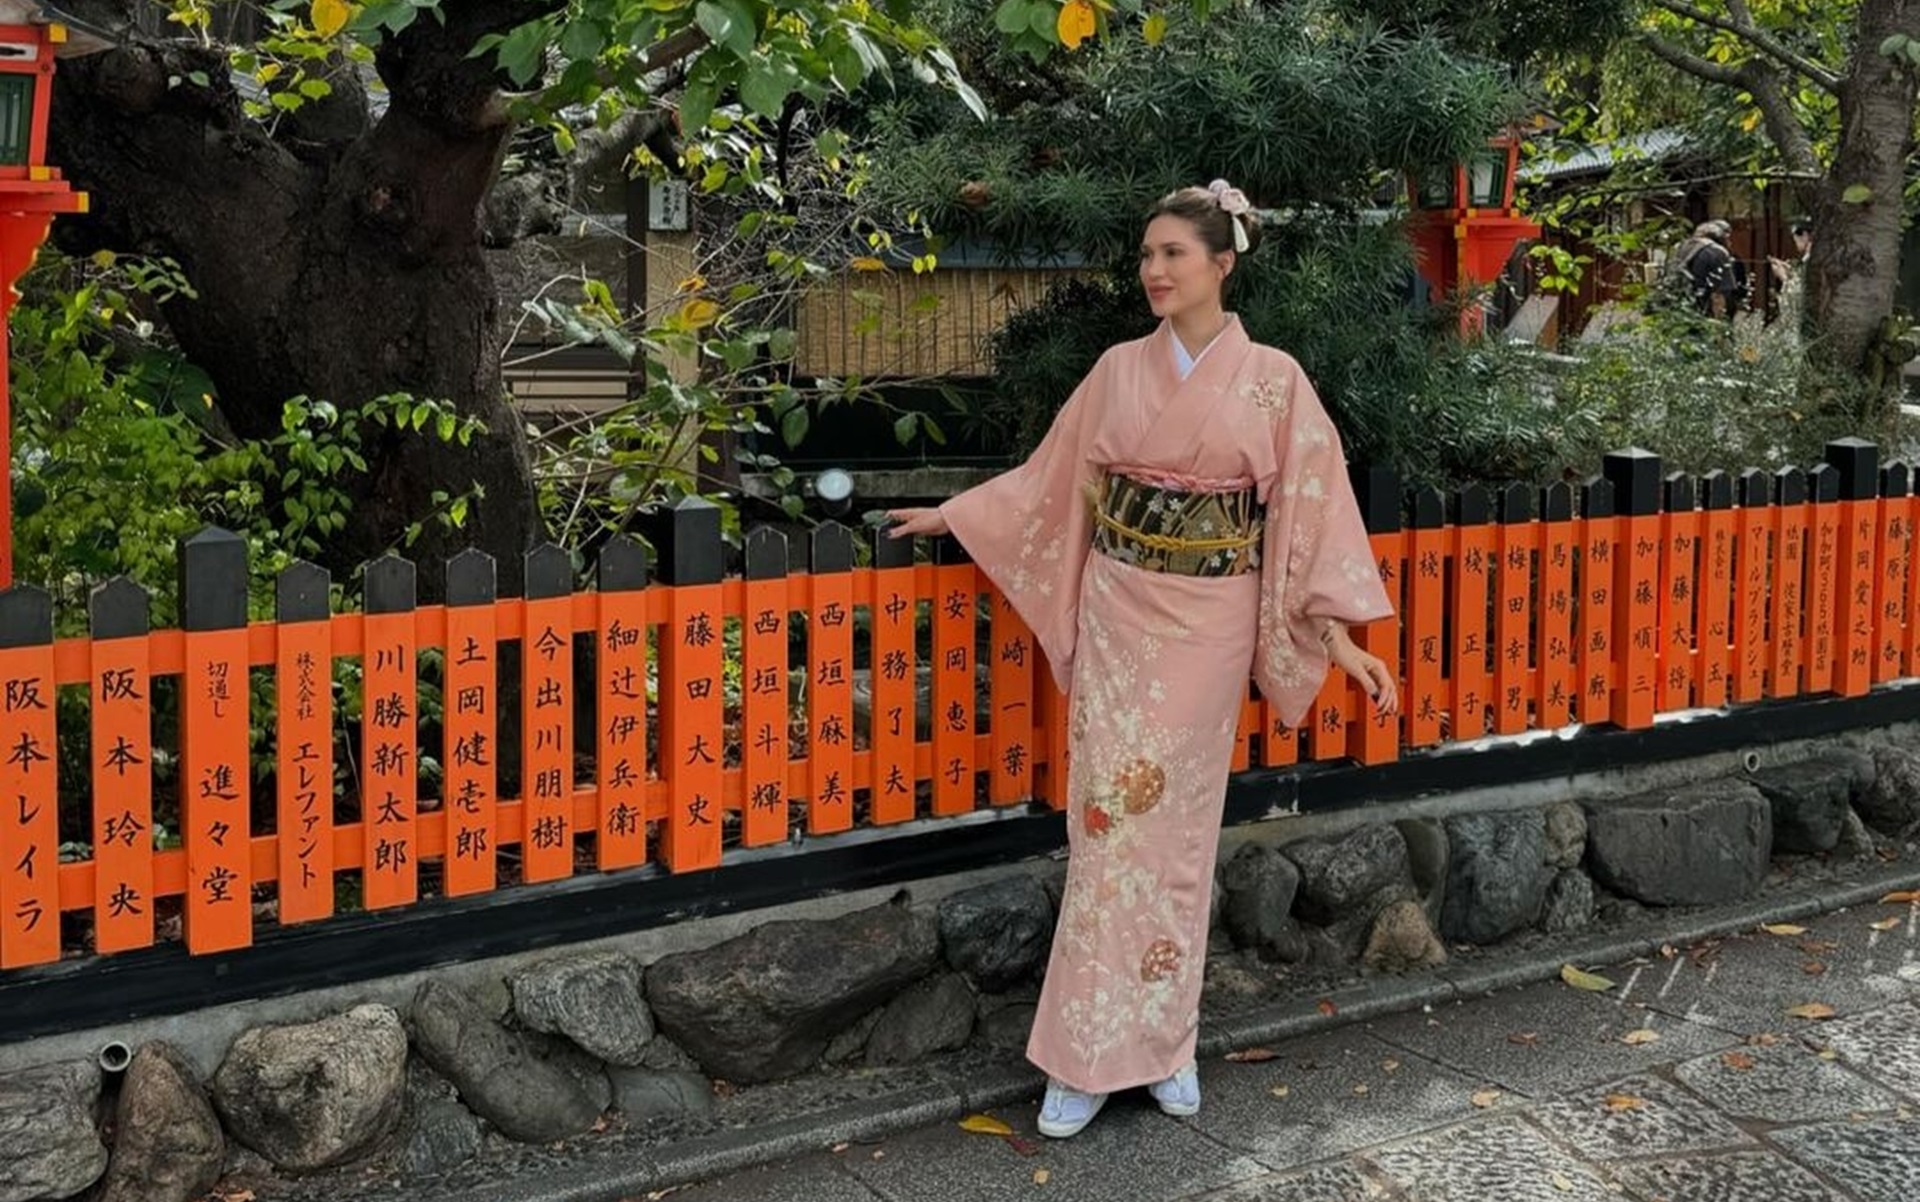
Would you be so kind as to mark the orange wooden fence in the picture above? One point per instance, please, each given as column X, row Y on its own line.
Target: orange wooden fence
column 668, row 720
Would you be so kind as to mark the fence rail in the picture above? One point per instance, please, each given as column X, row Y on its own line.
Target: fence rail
column 327, row 761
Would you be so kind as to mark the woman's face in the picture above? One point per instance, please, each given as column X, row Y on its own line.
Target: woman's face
column 1803, row 241
column 1176, row 269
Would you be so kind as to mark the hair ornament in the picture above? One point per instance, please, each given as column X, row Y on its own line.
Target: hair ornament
column 1234, row 203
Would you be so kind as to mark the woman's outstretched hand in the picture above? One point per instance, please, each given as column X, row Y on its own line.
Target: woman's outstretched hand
column 909, row 522
column 1369, row 670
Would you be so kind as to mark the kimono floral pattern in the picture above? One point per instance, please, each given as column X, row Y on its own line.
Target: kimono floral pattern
column 1157, row 663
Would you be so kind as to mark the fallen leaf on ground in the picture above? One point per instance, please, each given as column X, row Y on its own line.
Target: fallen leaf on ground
column 1668, row 951
column 1525, row 1039
column 1643, row 1035
column 1782, row 928
column 1486, row 1097
column 1280, row 1091
column 879, row 1153
column 1811, row 1010
column 1817, row 947
column 1579, row 979
column 1561, row 1183
column 1813, row 968
column 1901, row 898
column 1739, row 1062
column 1040, row 1176
column 1327, row 1007
column 1764, row 1039
column 1253, row 1055
column 1389, row 1066
column 984, row 1124
column 1624, row 1101
column 1361, row 1091
column 1885, row 924
column 1022, row 1145
column 1829, row 1054
column 840, row 1147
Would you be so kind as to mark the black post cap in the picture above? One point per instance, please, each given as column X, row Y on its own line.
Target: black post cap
column 213, row 581
column 1516, row 504
column 1790, row 486
column 1471, row 507
column 1635, row 474
column 766, row 554
column 691, row 550
column 1824, row 483
column 891, row 552
column 622, row 567
column 1556, row 502
column 1858, row 462
column 830, row 549
column 1377, row 489
column 1679, row 493
column 391, row 585
column 303, row 593
column 1895, row 480
column 1429, row 508
column 1716, row 490
column 1596, row 498
column 472, row 578
column 117, row 609
column 1755, row 488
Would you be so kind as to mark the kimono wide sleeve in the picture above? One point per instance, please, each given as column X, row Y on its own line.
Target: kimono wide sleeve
column 1030, row 531
column 1316, row 561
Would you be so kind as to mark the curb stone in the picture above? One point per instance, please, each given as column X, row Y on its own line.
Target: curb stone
column 872, row 1119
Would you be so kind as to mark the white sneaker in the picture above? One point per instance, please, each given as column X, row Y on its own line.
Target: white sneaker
column 1067, row 1111
column 1178, row 1095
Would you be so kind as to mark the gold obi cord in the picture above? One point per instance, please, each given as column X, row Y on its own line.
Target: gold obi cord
column 1170, row 530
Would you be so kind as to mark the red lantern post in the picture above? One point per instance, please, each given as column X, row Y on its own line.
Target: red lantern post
column 30, row 194
column 1464, row 225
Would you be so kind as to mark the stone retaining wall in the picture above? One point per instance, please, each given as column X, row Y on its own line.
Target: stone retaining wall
column 545, row 1052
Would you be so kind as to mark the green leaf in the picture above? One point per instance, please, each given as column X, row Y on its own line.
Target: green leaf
column 1012, row 16
column 781, row 344
column 905, row 427
column 765, row 89
column 696, row 104
column 1856, row 194
column 522, row 54
column 793, row 427
column 729, row 23
column 970, row 98
column 582, row 39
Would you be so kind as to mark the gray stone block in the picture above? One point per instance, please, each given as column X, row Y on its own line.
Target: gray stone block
column 310, row 1095
column 1569, row 904
column 1338, row 874
column 1696, row 846
column 1497, row 876
column 999, row 934
column 592, row 999
column 1809, row 801
column 935, row 1015
column 1260, row 885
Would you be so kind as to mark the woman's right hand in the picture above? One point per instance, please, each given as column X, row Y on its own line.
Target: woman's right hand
column 909, row 522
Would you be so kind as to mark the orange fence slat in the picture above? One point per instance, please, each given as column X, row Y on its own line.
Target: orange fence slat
column 389, row 725
column 1890, row 613
column 763, row 714
column 893, row 737
column 955, row 597
column 1753, row 559
column 1011, row 696
column 1789, row 575
column 691, row 739
column 1713, row 661
column 215, row 784
column 1680, row 583
column 1823, row 604
column 1376, row 737
column 303, row 768
column 1598, row 541
column 470, row 720
column 546, row 739
column 1553, row 701
column 1053, row 706
column 1425, row 618
column 122, row 729
column 1514, row 608
column 1473, row 565
column 830, row 699
column 29, row 801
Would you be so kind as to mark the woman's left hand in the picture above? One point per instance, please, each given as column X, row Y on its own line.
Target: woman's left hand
column 1369, row 670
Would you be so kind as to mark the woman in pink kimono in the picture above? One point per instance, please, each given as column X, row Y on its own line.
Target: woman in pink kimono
column 1186, row 521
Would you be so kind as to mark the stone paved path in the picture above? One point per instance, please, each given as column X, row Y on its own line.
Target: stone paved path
column 1541, row 1094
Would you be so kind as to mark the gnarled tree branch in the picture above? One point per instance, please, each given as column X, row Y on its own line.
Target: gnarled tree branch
column 1741, row 25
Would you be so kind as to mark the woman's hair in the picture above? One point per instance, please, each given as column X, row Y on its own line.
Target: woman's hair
column 1206, row 209
column 1803, row 225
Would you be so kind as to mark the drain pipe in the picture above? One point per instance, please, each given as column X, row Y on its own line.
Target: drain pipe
column 114, row 1057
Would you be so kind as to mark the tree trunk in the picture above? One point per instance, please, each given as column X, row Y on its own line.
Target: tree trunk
column 1854, row 268
column 342, row 264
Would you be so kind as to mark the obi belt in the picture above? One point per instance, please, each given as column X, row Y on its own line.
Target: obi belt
column 1176, row 531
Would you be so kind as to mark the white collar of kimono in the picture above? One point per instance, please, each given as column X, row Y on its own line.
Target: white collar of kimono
column 1183, row 360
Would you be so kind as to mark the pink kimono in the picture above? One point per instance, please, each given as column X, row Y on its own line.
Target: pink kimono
column 1157, row 665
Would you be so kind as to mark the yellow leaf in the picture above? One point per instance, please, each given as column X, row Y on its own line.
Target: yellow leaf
column 867, row 263
column 1901, row 898
column 1829, row 1054
column 1041, row 1176
column 1751, row 121
column 1561, row 1183
column 1280, row 1091
column 1783, row 928
column 1642, row 1036
column 697, row 313
column 1361, row 1091
column 1624, row 1101
column 693, row 283
column 1075, row 24
column 1885, row 924
column 1389, row 1066
column 1590, row 982
column 104, row 259
column 1811, row 1010
column 1155, row 30
column 1486, row 1097
column 984, row 1124
column 331, row 16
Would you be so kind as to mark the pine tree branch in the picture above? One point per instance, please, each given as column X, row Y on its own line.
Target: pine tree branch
column 1741, row 25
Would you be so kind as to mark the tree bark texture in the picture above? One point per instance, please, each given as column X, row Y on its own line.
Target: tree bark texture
column 337, row 257
column 1854, row 268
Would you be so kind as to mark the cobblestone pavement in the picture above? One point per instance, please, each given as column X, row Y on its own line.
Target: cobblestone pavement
column 1780, row 1066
